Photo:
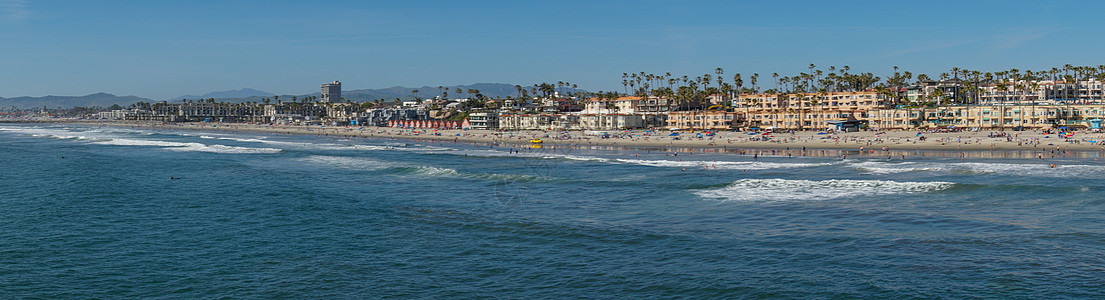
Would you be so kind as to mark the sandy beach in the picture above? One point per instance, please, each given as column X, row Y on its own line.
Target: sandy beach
column 862, row 141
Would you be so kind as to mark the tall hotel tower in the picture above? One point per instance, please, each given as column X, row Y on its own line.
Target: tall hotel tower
column 331, row 92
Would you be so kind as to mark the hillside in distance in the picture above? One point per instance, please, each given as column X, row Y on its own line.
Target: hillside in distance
column 98, row 99
column 491, row 90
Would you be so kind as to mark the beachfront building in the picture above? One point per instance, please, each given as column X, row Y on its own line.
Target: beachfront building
column 1073, row 92
column 331, row 92
column 806, row 111
column 343, row 112
column 571, row 121
column 483, row 120
column 707, row 119
column 895, row 118
column 606, row 122
column 527, row 121
column 622, row 105
column 381, row 116
column 987, row 117
column 554, row 105
column 638, row 105
column 204, row 111
column 1023, row 92
column 121, row 114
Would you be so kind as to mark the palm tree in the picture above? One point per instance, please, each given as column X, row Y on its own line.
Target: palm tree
column 777, row 82
column 754, row 78
column 1002, row 87
column 719, row 71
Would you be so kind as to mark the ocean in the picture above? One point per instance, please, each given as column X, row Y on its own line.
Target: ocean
column 91, row 212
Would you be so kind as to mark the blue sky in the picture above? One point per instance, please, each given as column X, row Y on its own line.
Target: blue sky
column 164, row 49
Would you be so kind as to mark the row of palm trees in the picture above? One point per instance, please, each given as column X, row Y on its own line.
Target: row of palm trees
column 966, row 85
column 959, row 86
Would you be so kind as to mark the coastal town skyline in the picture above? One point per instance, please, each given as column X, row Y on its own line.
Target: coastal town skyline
column 160, row 51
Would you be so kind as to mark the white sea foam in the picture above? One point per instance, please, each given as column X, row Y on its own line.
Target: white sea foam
column 57, row 133
column 223, row 149
column 729, row 165
column 134, row 142
column 321, row 146
column 573, row 157
column 874, row 167
column 408, row 169
column 232, row 138
column 1005, row 169
column 435, row 171
column 447, row 172
column 361, row 163
column 347, row 162
column 185, row 146
column 790, row 190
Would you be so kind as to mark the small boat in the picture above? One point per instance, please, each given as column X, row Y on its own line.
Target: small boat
column 536, row 141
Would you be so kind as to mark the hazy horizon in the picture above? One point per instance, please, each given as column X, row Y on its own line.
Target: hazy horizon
column 161, row 50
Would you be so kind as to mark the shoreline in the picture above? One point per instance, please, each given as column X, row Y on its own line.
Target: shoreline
column 971, row 141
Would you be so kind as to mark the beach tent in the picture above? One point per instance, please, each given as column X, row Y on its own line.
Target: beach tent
column 674, row 134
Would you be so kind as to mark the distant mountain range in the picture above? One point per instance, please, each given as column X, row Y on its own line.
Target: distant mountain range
column 97, row 99
column 493, row 90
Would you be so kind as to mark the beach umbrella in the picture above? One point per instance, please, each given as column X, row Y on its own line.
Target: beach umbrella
column 674, row 134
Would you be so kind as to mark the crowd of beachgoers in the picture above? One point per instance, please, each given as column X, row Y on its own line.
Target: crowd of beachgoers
column 861, row 140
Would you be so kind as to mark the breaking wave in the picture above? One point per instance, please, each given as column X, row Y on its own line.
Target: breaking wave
column 183, row 146
column 1042, row 169
column 730, row 165
column 346, row 162
column 791, row 190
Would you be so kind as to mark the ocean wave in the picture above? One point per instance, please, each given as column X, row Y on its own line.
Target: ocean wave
column 729, row 165
column 55, row 133
column 134, row 142
column 399, row 168
column 882, row 168
column 791, row 190
column 1042, row 169
column 231, row 138
column 185, row 146
column 321, row 146
column 426, row 171
column 223, row 149
column 453, row 173
column 347, row 162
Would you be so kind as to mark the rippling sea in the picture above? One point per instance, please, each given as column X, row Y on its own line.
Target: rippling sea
column 88, row 212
